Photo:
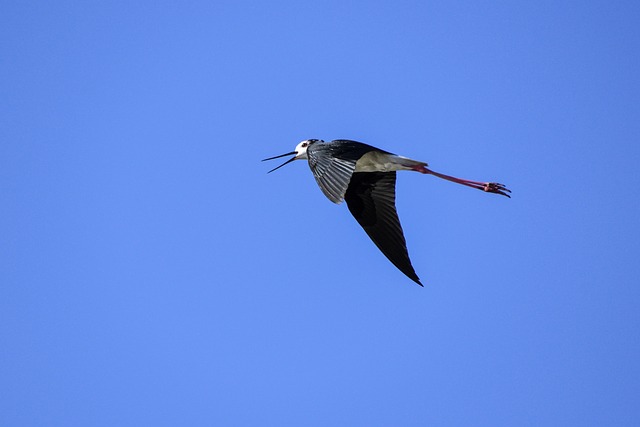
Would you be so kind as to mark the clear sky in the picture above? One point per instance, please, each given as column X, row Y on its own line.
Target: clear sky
column 153, row 274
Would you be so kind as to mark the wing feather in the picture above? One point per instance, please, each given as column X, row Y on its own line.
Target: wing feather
column 371, row 198
column 332, row 173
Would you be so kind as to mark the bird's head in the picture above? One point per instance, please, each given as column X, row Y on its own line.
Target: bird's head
column 299, row 153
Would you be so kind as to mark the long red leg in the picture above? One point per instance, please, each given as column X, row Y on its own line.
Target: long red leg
column 489, row 187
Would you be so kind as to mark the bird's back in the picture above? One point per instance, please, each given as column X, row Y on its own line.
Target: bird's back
column 344, row 149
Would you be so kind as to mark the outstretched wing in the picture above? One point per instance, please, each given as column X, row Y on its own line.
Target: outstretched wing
column 333, row 163
column 371, row 198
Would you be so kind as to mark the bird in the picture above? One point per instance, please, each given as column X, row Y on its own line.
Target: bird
column 365, row 177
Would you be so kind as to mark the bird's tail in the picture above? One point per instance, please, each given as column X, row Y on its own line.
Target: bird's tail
column 411, row 164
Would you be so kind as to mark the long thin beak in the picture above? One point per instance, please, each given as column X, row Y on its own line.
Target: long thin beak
column 282, row 155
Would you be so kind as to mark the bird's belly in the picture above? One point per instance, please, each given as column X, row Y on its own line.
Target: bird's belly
column 375, row 161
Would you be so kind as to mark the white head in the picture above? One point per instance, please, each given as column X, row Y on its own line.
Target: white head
column 299, row 153
column 301, row 148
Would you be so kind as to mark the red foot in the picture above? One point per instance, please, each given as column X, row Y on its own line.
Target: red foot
column 489, row 187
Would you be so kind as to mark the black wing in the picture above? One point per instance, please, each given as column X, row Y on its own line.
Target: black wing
column 333, row 163
column 371, row 198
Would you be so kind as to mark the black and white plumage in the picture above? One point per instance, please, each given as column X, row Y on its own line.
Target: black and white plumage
column 365, row 177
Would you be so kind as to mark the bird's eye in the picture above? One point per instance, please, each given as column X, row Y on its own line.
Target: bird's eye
column 304, row 144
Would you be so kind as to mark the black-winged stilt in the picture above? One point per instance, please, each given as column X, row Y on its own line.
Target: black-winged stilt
column 365, row 177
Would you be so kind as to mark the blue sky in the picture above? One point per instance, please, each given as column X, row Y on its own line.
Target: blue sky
column 153, row 274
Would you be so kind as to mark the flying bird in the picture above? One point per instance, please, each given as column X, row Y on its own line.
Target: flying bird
column 365, row 177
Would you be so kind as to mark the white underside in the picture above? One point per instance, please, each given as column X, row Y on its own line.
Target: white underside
column 375, row 161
